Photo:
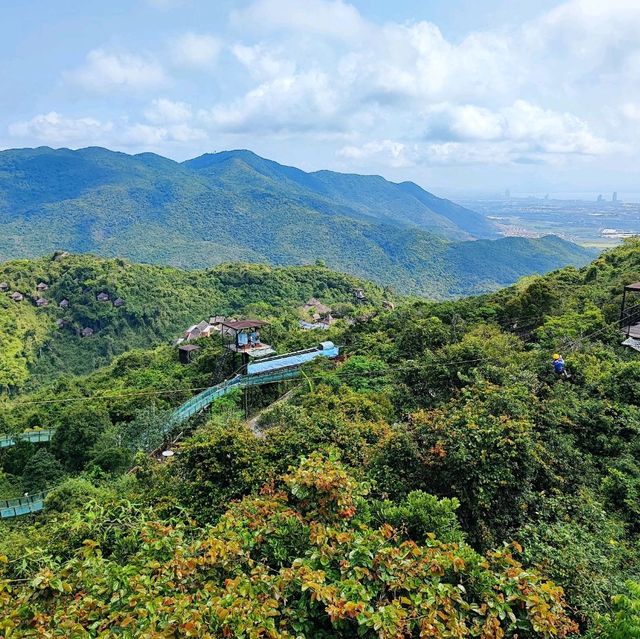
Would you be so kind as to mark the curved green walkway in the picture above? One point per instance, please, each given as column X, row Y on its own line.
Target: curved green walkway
column 206, row 398
column 35, row 503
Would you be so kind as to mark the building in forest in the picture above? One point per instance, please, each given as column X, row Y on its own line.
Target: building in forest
column 316, row 309
column 243, row 337
column 187, row 351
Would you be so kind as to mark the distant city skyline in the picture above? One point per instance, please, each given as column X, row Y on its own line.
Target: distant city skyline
column 460, row 96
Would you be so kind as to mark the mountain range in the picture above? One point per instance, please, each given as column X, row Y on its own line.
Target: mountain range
column 236, row 206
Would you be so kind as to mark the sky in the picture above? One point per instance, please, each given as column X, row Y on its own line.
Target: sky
column 461, row 96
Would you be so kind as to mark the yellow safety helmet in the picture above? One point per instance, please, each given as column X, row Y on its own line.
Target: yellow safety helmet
column 556, row 356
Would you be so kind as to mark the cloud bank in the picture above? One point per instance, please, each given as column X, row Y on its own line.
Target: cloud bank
column 558, row 89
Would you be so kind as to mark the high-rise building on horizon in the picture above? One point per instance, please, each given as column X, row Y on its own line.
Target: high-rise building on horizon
column 615, row 196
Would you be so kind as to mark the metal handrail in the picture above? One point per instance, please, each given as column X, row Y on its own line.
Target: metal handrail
column 35, row 503
column 34, row 436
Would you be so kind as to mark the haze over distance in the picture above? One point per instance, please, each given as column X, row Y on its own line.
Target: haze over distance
column 596, row 222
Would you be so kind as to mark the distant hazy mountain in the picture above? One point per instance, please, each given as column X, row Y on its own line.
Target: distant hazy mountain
column 236, row 206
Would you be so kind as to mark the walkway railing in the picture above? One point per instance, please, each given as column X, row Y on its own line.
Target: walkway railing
column 206, row 398
column 33, row 436
column 21, row 505
column 35, row 503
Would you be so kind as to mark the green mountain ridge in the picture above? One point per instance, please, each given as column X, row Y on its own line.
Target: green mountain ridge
column 236, row 206
column 160, row 302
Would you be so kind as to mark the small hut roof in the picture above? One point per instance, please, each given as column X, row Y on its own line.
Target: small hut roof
column 238, row 325
column 633, row 287
column 321, row 308
column 42, row 286
column 189, row 348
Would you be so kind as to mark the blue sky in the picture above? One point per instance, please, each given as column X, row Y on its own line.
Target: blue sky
column 460, row 96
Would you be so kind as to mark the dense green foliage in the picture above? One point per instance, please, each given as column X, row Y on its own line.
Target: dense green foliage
column 300, row 560
column 159, row 304
column 450, row 484
column 236, row 206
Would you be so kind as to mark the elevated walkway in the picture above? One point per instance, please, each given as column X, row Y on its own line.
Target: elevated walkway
column 268, row 371
column 33, row 436
column 21, row 505
column 633, row 331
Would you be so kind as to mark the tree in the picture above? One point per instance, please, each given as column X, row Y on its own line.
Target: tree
column 298, row 560
column 109, row 453
column 221, row 463
column 77, row 432
column 624, row 622
column 42, row 471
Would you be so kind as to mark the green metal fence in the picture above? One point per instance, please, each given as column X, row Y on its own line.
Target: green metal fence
column 35, row 503
column 22, row 505
column 34, row 436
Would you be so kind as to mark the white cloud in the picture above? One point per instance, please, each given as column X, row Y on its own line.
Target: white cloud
column 465, row 134
column 406, row 94
column 146, row 136
column 196, row 49
column 164, row 111
column 630, row 111
column 332, row 18
column 552, row 132
column 464, row 122
column 415, row 61
column 385, row 152
column 352, row 73
column 542, row 130
column 53, row 128
column 264, row 63
column 104, row 72
column 299, row 102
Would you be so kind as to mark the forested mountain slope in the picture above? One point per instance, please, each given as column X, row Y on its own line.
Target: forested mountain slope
column 158, row 305
column 236, row 206
column 439, row 480
column 358, row 196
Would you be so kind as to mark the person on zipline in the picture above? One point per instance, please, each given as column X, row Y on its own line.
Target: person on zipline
column 559, row 366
